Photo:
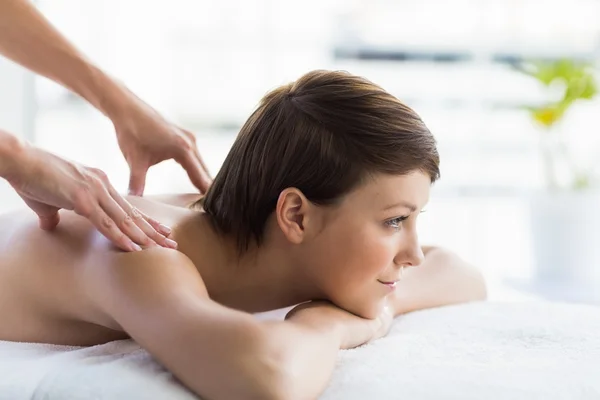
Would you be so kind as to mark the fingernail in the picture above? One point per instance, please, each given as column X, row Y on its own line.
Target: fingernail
column 171, row 243
column 135, row 247
column 165, row 230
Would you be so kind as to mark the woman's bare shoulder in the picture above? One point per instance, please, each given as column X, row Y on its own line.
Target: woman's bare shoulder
column 178, row 200
column 145, row 276
column 149, row 264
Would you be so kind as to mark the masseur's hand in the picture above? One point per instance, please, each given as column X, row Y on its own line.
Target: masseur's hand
column 146, row 139
column 48, row 183
column 353, row 330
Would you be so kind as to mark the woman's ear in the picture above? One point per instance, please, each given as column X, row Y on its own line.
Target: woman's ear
column 292, row 212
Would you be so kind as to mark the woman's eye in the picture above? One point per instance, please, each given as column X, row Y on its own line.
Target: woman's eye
column 396, row 222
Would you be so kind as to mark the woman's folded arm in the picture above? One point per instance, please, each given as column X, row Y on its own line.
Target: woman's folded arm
column 442, row 279
column 160, row 300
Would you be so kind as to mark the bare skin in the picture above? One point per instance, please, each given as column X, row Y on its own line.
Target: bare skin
column 44, row 294
column 190, row 307
column 41, row 296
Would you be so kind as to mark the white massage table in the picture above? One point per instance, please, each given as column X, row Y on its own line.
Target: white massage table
column 532, row 350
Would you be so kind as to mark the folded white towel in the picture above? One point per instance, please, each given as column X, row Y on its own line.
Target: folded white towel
column 116, row 370
column 516, row 351
column 481, row 350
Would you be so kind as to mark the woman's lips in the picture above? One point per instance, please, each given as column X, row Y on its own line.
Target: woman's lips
column 390, row 284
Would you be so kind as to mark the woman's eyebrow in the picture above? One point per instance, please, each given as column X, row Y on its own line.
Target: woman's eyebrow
column 408, row 205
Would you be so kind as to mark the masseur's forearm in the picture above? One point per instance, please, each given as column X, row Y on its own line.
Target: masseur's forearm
column 27, row 38
column 442, row 279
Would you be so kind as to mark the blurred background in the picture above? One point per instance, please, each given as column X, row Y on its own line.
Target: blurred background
column 506, row 86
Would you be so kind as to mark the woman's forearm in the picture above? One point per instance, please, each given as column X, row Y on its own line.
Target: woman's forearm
column 442, row 279
column 307, row 345
column 27, row 38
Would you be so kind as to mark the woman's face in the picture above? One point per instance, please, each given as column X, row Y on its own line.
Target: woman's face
column 366, row 240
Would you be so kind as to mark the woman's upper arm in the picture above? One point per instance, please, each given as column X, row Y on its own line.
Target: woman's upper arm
column 442, row 279
column 160, row 300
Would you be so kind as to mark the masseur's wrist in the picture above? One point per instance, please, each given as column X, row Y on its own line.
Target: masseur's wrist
column 106, row 94
column 121, row 105
column 12, row 156
column 115, row 100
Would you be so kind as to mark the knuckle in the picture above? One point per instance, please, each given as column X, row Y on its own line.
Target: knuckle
column 183, row 144
column 134, row 231
column 127, row 222
column 156, row 236
column 136, row 214
column 191, row 138
column 107, row 223
column 100, row 174
column 97, row 183
column 146, row 241
column 82, row 201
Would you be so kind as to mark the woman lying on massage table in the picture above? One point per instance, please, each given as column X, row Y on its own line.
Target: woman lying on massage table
column 317, row 200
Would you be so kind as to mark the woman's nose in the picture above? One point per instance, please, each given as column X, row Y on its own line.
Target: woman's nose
column 417, row 256
column 411, row 254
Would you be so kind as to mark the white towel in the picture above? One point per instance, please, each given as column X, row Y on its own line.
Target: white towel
column 474, row 351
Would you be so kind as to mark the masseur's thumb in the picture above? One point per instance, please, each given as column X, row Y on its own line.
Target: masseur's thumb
column 48, row 215
column 49, row 221
column 137, row 180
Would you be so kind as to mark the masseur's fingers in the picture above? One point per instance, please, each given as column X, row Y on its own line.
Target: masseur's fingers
column 121, row 208
column 109, row 218
column 165, row 230
column 48, row 216
column 191, row 162
column 130, row 220
column 137, row 179
column 155, row 230
column 108, row 228
column 49, row 222
column 128, row 224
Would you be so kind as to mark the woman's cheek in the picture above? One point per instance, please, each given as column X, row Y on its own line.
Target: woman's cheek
column 381, row 254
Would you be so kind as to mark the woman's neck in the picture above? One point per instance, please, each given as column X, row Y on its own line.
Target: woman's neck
column 263, row 278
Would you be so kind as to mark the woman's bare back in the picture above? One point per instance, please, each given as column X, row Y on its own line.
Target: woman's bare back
column 41, row 298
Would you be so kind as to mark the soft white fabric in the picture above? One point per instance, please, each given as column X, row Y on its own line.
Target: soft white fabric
column 475, row 351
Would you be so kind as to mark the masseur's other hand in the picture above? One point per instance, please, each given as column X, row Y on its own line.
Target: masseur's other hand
column 48, row 183
column 353, row 330
column 146, row 139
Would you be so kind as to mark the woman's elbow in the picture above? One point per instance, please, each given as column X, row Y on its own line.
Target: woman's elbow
column 269, row 372
column 479, row 287
column 469, row 277
column 464, row 278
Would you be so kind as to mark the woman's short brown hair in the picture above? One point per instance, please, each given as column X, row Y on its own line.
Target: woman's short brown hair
column 322, row 134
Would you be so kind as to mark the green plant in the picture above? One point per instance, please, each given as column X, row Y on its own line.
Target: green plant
column 575, row 81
